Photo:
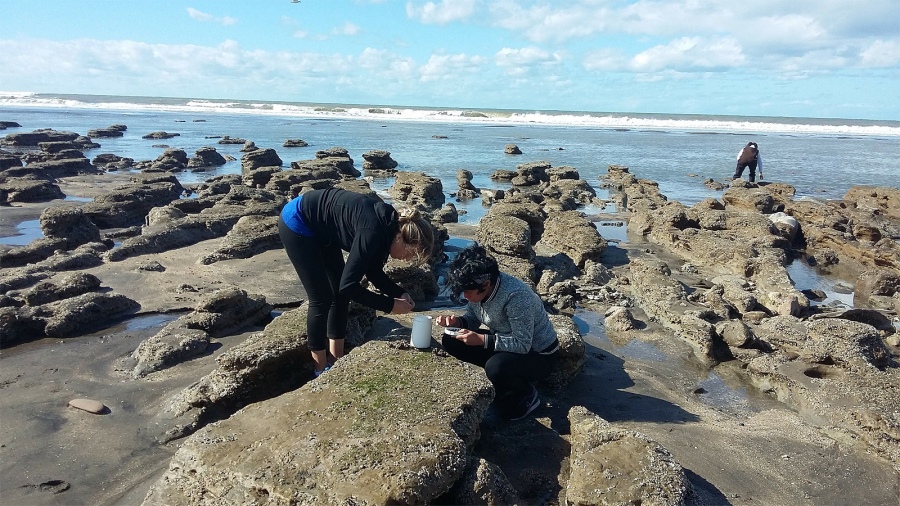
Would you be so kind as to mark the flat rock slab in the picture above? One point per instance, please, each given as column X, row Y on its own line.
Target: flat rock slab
column 386, row 425
column 89, row 405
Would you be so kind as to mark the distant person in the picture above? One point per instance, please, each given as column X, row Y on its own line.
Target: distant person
column 749, row 157
column 505, row 330
column 315, row 227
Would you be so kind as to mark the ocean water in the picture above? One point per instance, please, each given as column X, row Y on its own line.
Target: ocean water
column 822, row 158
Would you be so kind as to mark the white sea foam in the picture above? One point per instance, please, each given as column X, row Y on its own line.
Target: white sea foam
column 556, row 118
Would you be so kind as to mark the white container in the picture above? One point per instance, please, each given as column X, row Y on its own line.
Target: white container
column 421, row 332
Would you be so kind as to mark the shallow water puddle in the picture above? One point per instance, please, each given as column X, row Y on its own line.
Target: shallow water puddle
column 805, row 277
column 613, row 231
column 72, row 198
column 149, row 321
column 711, row 388
column 28, row 231
column 715, row 392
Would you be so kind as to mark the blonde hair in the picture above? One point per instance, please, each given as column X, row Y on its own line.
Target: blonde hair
column 417, row 231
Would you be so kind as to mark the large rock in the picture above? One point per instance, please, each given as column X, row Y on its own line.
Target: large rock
column 217, row 314
column 483, row 483
column 68, row 223
column 611, row 465
column 110, row 131
column 68, row 286
column 418, row 281
column 250, row 236
column 206, row 157
column 571, row 233
column 266, row 364
column 506, row 235
column 260, row 158
column 816, row 362
column 30, row 189
column 332, row 163
column 54, row 168
column 379, row 162
column 417, row 189
column 8, row 160
column 83, row 313
column 871, row 282
column 377, row 428
column 36, row 137
column 529, row 212
column 570, row 355
column 665, row 299
column 531, row 173
column 209, row 223
column 129, row 204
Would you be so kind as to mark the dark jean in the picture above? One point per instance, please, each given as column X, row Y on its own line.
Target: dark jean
column 739, row 171
column 320, row 268
column 511, row 373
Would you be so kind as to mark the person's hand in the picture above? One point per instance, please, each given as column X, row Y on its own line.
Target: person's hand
column 408, row 298
column 401, row 306
column 470, row 337
column 447, row 320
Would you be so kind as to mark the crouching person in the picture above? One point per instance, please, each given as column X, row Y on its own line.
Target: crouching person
column 505, row 330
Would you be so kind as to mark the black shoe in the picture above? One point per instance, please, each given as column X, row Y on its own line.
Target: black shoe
column 524, row 408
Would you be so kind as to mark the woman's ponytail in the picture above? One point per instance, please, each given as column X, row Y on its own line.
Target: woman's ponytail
column 416, row 230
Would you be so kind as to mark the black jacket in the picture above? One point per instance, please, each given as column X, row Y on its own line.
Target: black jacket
column 365, row 227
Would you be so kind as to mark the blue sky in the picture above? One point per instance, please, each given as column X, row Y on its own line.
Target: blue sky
column 807, row 58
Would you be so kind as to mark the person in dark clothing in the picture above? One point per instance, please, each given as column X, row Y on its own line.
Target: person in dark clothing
column 749, row 157
column 505, row 330
column 316, row 227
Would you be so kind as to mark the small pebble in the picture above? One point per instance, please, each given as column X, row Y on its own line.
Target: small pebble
column 91, row 406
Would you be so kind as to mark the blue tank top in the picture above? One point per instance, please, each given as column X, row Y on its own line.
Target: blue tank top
column 293, row 219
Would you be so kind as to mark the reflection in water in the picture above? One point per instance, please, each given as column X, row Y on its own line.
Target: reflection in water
column 72, row 198
column 452, row 247
column 28, row 230
column 149, row 321
column 805, row 277
column 715, row 392
column 613, row 231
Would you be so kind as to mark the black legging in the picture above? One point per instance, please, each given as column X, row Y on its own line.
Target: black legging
column 510, row 373
column 319, row 267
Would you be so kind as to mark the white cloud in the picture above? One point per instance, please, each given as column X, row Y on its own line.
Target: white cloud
column 386, row 64
column 686, row 54
column 772, row 34
column 520, row 61
column 441, row 67
column 347, row 28
column 129, row 67
column 207, row 18
column 544, row 22
column 606, row 59
column 881, row 53
column 441, row 13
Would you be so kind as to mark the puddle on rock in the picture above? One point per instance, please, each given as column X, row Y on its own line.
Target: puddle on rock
column 452, row 247
column 28, row 231
column 711, row 388
column 613, row 231
column 72, row 198
column 805, row 277
column 715, row 392
column 149, row 321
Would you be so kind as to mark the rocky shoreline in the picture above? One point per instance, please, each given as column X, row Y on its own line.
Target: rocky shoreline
column 233, row 404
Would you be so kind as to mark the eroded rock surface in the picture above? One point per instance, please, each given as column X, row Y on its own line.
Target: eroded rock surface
column 374, row 428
